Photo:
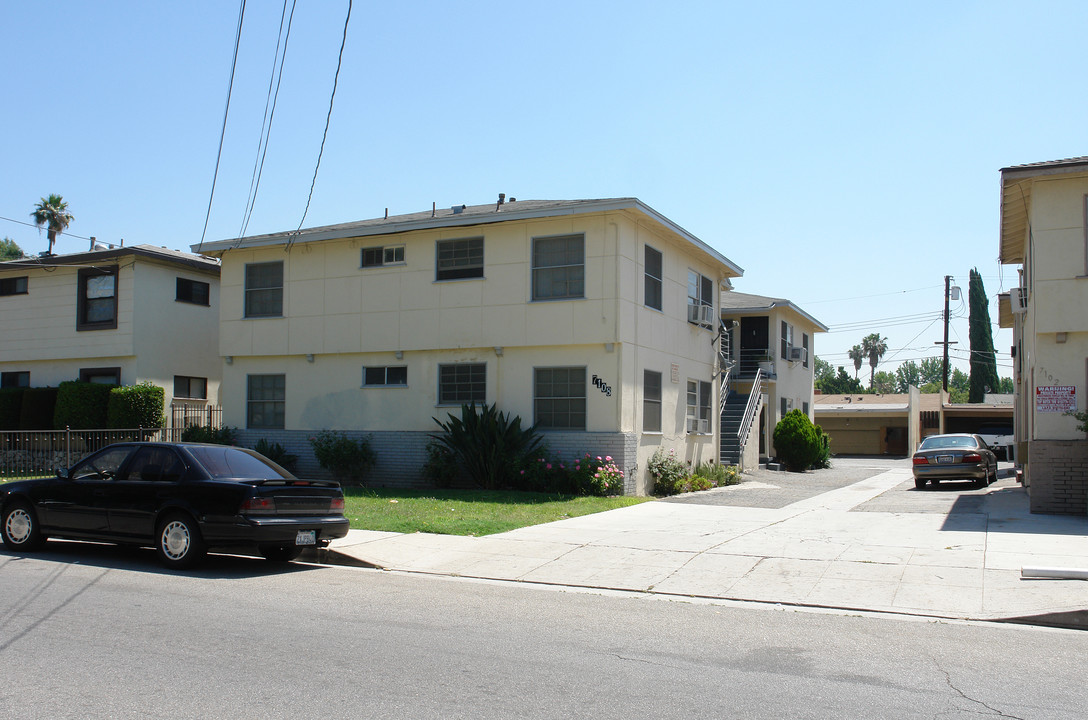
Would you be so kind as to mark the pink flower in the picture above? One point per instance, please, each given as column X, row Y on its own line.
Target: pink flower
column 562, row 466
column 549, row 466
column 608, row 458
column 522, row 472
column 598, row 457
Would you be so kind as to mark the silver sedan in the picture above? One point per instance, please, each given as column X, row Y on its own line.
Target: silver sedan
column 954, row 457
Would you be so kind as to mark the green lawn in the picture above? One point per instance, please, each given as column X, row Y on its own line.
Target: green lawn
column 466, row 512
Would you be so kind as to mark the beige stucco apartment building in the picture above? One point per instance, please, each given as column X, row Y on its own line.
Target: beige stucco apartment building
column 115, row 315
column 1044, row 231
column 772, row 347
column 596, row 320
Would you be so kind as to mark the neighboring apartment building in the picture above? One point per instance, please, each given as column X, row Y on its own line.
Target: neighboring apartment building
column 596, row 320
column 113, row 315
column 772, row 346
column 1044, row 207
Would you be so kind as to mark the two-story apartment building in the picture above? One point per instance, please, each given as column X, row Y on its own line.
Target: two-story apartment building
column 772, row 348
column 121, row 315
column 1044, row 231
column 595, row 320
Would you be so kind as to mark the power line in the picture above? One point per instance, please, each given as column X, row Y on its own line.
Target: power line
column 328, row 119
column 20, row 222
column 226, row 112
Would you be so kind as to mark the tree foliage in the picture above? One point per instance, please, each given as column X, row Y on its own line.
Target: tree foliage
column 873, row 346
column 10, row 250
column 797, row 442
column 830, row 382
column 907, row 374
column 857, row 354
column 52, row 212
column 983, row 376
column 885, row 382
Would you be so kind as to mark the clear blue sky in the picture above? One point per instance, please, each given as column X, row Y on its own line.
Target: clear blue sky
column 846, row 155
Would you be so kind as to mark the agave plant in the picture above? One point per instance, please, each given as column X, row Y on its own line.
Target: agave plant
column 488, row 444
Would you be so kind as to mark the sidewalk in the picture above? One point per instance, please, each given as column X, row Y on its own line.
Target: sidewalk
column 822, row 551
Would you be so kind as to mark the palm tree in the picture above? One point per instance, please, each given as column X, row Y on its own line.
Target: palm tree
column 874, row 348
column 53, row 213
column 858, row 356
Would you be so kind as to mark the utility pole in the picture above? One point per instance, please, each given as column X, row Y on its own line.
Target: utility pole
column 947, row 291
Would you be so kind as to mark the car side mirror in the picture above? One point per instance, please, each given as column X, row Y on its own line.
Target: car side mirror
column 62, row 473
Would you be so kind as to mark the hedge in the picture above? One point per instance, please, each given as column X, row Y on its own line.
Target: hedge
column 136, row 406
column 81, row 405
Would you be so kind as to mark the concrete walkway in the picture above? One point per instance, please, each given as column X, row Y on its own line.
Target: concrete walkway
column 835, row 549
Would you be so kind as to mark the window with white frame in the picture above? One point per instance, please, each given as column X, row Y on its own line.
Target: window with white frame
column 97, row 306
column 383, row 375
column 381, row 256
column 698, row 406
column 654, row 279
column 459, row 259
column 651, row 401
column 559, row 398
column 559, row 267
column 462, row 384
column 191, row 388
column 700, row 299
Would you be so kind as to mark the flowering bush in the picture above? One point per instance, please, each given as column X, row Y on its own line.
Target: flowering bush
column 670, row 474
column 347, row 459
column 585, row 475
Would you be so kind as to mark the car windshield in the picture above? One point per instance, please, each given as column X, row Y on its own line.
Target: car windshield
column 933, row 443
column 232, row 462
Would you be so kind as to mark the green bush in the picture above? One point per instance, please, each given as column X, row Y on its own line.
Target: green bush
column 347, row 459
column 823, row 460
column 440, row 469
column 669, row 473
column 11, row 403
column 81, row 405
column 490, row 446
column 207, row 434
column 718, row 475
column 277, row 453
column 797, row 441
column 39, row 404
column 136, row 406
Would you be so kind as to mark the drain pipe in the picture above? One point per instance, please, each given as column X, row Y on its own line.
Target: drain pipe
column 1056, row 573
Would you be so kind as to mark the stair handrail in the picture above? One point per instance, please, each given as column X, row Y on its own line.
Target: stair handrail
column 755, row 399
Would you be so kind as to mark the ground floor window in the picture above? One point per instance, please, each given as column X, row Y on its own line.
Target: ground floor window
column 698, row 406
column 651, row 401
column 266, row 397
column 15, row 379
column 383, row 375
column 104, row 376
column 462, row 384
column 559, row 398
column 190, row 388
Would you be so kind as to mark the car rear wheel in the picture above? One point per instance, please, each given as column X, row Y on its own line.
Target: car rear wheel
column 277, row 553
column 919, row 483
column 178, row 541
column 20, row 527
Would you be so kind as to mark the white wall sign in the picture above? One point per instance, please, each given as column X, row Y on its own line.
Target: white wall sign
column 1056, row 398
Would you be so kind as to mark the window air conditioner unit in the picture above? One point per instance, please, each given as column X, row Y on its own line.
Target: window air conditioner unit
column 695, row 425
column 704, row 426
column 796, row 354
column 700, row 314
column 1018, row 300
column 692, row 425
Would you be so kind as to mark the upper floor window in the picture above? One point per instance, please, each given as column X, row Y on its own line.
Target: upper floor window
column 804, row 349
column 17, row 379
column 559, row 398
column 13, row 285
column 191, row 388
column 700, row 296
column 462, row 384
column 559, row 267
column 396, row 375
column 379, row 256
column 193, row 291
column 459, row 259
column 786, row 340
column 97, row 306
column 264, row 289
column 653, row 278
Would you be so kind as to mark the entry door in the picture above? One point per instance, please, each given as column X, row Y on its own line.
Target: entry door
column 754, row 339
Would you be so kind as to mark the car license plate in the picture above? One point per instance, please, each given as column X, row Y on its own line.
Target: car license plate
column 306, row 537
column 945, row 459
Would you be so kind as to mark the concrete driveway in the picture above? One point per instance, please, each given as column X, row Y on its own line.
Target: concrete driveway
column 857, row 536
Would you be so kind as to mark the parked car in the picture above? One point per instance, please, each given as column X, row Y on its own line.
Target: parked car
column 999, row 437
column 954, row 457
column 180, row 498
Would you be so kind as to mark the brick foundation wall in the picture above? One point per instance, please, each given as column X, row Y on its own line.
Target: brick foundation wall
column 1058, row 472
column 400, row 455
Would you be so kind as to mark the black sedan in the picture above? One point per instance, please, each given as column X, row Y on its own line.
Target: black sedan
column 180, row 498
column 954, row 457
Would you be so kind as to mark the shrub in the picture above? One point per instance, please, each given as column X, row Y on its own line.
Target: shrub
column 718, row 475
column 136, row 406
column 489, row 445
column 823, row 459
column 277, row 453
column 670, row 474
column 599, row 477
column 698, row 482
column 207, row 434
column 346, row 458
column 81, row 405
column 11, row 403
column 440, row 469
column 39, row 404
column 796, row 441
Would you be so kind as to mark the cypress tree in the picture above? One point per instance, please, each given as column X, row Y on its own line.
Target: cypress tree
column 983, row 361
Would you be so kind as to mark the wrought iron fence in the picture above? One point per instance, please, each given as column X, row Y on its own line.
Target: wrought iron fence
column 183, row 416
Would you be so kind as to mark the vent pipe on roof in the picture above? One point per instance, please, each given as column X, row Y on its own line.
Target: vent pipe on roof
column 502, row 199
column 387, row 213
column 434, row 209
column 92, row 242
